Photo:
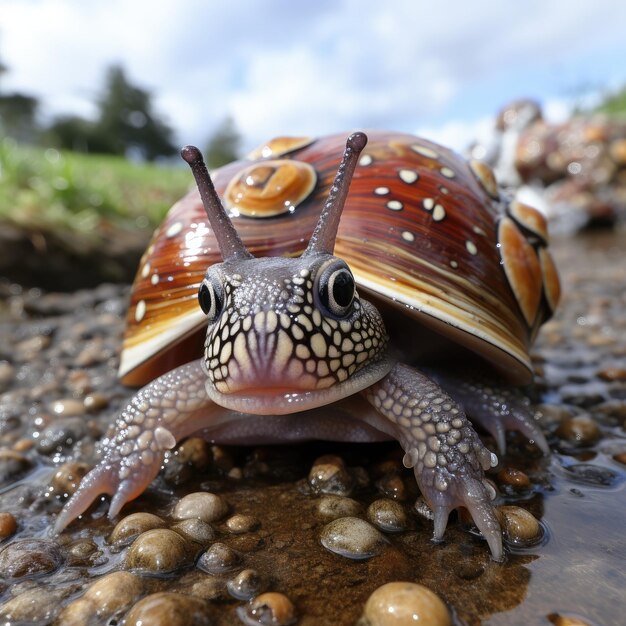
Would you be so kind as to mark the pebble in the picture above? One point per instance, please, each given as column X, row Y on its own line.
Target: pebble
column 388, row 515
column 133, row 525
column 168, row 609
column 30, row 557
column 95, row 402
column 218, row 558
column 209, row 588
column 7, row 372
column 28, row 349
column 334, row 507
column 567, row 620
column 592, row 474
column 513, row 479
column 612, row 374
column 8, row 525
column 109, row 595
column 352, row 537
column 329, row 475
column 240, row 523
column 620, row 457
column 392, row 486
column 67, row 478
column 519, row 526
column 158, row 551
column 208, row 507
column 404, row 604
column 61, row 434
column 579, row 431
column 245, row 585
column 33, row 606
column 83, row 553
column 12, row 466
column 195, row 530
column 67, row 407
column 553, row 415
column 268, row 609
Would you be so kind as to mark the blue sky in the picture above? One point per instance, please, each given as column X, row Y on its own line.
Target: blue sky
column 284, row 67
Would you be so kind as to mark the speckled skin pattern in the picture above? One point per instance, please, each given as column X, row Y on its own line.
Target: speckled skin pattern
column 291, row 353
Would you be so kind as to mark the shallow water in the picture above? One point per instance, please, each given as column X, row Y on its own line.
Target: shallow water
column 66, row 347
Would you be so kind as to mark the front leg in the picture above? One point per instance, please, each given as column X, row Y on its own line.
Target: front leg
column 162, row 413
column 441, row 446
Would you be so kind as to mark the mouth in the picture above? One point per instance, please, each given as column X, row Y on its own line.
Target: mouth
column 272, row 399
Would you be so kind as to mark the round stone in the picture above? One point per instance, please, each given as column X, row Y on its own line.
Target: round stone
column 405, row 604
column 195, row 530
column 519, row 526
column 245, row 585
column 239, row 523
column 33, row 606
column 168, row 609
column 579, row 431
column 8, row 525
column 208, row 507
column 133, row 525
column 160, row 550
column 330, row 475
column 268, row 608
column 333, row 507
column 68, row 407
column 219, row 558
column 67, row 478
column 513, row 479
column 352, row 537
column 95, row 402
column 388, row 515
column 30, row 557
column 12, row 465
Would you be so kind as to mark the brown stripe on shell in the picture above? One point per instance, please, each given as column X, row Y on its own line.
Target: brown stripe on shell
column 522, row 268
column 551, row 282
column 530, row 219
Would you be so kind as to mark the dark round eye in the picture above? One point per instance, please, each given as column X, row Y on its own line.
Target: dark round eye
column 337, row 289
column 210, row 298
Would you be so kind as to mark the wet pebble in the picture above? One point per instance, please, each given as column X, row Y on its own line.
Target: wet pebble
column 334, row 507
column 553, row 415
column 620, row 457
column 60, row 434
column 12, row 465
column 592, row 474
column 30, row 557
column 208, row 507
column 133, row 525
column 245, row 585
column 83, row 553
column 268, row 609
column 8, row 525
column 392, row 486
column 329, row 475
column 209, row 588
column 567, row 620
column 158, row 551
column 352, row 537
column 109, row 595
column 612, row 374
column 67, row 478
column 33, row 606
column 519, row 526
column 7, row 372
column 168, row 609
column 388, row 515
column 67, row 407
column 219, row 558
column 95, row 402
column 513, row 480
column 404, row 604
column 240, row 523
column 196, row 530
column 28, row 349
column 579, row 431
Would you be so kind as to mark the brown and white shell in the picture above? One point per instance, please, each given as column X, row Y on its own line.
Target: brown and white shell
column 425, row 233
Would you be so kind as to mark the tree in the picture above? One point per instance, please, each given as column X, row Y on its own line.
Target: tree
column 223, row 146
column 17, row 113
column 127, row 119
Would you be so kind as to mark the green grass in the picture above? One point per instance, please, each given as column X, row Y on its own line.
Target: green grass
column 77, row 194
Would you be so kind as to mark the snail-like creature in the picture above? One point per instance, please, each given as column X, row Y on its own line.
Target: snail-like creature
column 450, row 277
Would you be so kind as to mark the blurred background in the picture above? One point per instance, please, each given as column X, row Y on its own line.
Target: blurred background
column 96, row 98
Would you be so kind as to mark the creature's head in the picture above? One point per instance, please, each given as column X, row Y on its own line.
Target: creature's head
column 287, row 334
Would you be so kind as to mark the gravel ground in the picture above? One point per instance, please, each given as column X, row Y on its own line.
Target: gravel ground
column 231, row 535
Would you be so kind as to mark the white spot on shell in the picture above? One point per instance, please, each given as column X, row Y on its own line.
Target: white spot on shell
column 381, row 191
column 154, row 279
column 439, row 213
column 408, row 236
column 479, row 231
column 140, row 310
column 174, row 229
column 145, row 270
column 471, row 247
column 447, row 172
column 454, row 264
column 424, row 151
column 365, row 160
column 408, row 176
column 428, row 203
column 395, row 205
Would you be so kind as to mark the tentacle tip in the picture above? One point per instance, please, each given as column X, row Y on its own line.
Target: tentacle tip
column 357, row 141
column 191, row 154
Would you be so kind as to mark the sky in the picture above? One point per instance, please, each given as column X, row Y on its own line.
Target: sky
column 441, row 68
